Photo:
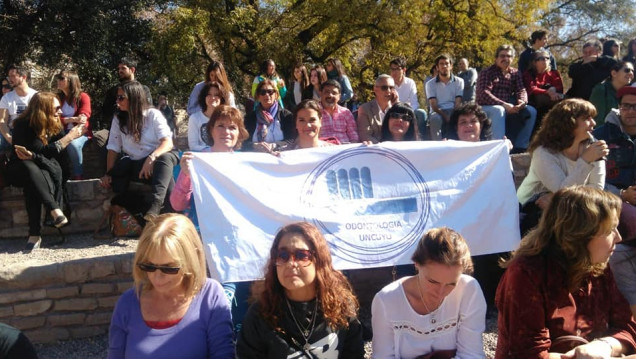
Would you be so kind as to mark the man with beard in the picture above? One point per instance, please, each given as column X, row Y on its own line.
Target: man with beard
column 337, row 121
column 14, row 103
column 619, row 131
column 502, row 95
column 444, row 92
column 126, row 70
column 371, row 114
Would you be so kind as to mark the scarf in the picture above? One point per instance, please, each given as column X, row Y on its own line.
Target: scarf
column 264, row 119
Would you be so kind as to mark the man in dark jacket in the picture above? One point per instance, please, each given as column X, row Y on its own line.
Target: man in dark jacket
column 589, row 70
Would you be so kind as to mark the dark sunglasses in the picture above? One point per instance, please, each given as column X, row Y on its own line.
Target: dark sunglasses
column 263, row 92
column 61, row 78
column 387, row 87
column 542, row 58
column 401, row 116
column 627, row 70
column 121, row 97
column 301, row 256
column 151, row 268
column 7, row 86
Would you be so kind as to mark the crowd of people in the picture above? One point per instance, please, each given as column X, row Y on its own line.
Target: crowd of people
column 558, row 293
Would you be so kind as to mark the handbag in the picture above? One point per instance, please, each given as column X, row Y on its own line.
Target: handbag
column 121, row 223
column 565, row 343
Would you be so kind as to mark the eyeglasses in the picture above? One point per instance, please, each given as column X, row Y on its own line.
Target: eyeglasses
column 121, row 97
column 263, row 92
column 400, row 116
column 395, row 68
column 61, row 78
column 301, row 256
column 627, row 70
column 151, row 268
column 6, row 86
column 387, row 88
column 58, row 108
column 542, row 58
column 628, row 107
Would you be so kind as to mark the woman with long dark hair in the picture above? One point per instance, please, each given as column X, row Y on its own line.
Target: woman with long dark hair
column 298, row 84
column 399, row 124
column 336, row 71
column 306, row 307
column 214, row 73
column 140, row 148
column 268, row 72
column 211, row 96
column 603, row 95
column 317, row 76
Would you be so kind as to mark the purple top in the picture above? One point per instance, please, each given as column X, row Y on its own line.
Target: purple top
column 204, row 332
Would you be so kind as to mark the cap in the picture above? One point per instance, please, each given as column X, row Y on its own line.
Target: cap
column 626, row 90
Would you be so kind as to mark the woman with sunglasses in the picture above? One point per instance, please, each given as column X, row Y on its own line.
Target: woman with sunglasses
column 603, row 95
column 6, row 87
column 543, row 84
column 269, row 122
column 558, row 293
column 212, row 95
column 140, row 148
column 38, row 164
column 76, row 110
column 306, row 308
column 440, row 312
column 399, row 124
column 173, row 311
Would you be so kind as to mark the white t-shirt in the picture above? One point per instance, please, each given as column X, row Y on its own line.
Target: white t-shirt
column 155, row 128
column 195, row 142
column 16, row 104
column 407, row 92
column 400, row 332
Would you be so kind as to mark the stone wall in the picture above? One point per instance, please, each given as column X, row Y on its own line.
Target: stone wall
column 60, row 301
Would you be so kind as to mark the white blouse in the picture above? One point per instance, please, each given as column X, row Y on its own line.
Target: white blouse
column 155, row 128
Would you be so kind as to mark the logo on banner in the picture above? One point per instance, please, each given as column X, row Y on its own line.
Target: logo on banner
column 372, row 200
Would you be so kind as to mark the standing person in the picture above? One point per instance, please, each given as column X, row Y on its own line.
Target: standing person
column 438, row 313
column 501, row 94
column 14, row 103
column 469, row 75
column 269, row 122
column 407, row 92
column 306, row 307
column 300, row 82
column 631, row 52
column 317, row 76
column 268, row 72
column 76, row 110
column 557, row 287
column 612, row 48
column 127, row 71
column 538, row 41
column 336, row 71
column 210, row 97
column 337, row 121
column 372, row 113
column 603, row 95
column 173, row 311
column 543, row 84
column 591, row 69
column 444, row 92
column 214, row 73
column 37, row 162
column 140, row 148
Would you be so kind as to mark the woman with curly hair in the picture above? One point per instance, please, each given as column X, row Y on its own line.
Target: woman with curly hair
column 470, row 123
column 558, row 293
column 306, row 308
column 438, row 313
column 564, row 153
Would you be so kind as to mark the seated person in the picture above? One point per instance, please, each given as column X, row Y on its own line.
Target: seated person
column 399, row 124
column 470, row 123
column 444, row 92
column 140, row 148
column 439, row 312
column 269, row 122
column 371, row 114
column 543, row 84
column 558, row 284
column 603, row 95
column 306, row 307
column 172, row 301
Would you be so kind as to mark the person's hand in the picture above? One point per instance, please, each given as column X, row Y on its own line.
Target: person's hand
column 78, row 131
column 367, row 143
column 587, row 59
column 265, row 147
column 554, row 95
column 23, row 153
column 81, row 119
column 544, row 201
column 394, row 97
column 146, row 169
column 595, row 349
column 595, row 151
column 281, row 83
column 508, row 107
column 629, row 195
column 186, row 163
column 106, row 181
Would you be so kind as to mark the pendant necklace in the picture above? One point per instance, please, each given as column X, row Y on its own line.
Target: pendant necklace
column 419, row 287
column 305, row 332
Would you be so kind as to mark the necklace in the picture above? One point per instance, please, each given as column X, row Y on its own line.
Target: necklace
column 419, row 287
column 305, row 332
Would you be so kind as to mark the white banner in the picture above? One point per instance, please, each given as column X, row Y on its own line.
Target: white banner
column 372, row 203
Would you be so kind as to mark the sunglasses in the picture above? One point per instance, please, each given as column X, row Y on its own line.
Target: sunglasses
column 121, row 97
column 264, row 92
column 387, row 87
column 301, row 256
column 542, row 58
column 151, row 268
column 627, row 70
column 401, row 116
column 7, row 86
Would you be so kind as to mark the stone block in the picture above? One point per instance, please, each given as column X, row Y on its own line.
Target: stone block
column 6, row 311
column 124, row 286
column 48, row 335
column 89, row 215
column 61, row 320
column 76, row 271
column 57, row 293
column 75, row 304
column 99, row 318
column 101, row 269
column 81, row 190
column 28, row 275
column 97, row 288
column 24, row 323
column 32, row 308
column 23, row 296
column 20, row 217
column 107, row 302
column 127, row 263
column 85, row 332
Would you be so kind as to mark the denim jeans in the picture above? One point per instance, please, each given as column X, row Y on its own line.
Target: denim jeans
column 74, row 150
